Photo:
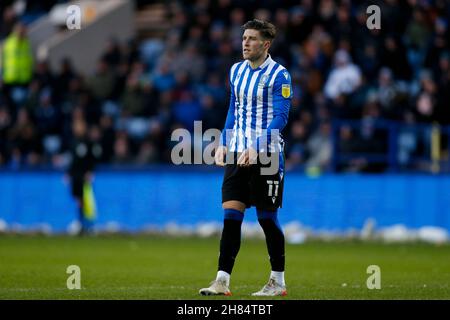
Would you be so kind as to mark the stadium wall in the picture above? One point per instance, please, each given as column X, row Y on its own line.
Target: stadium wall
column 137, row 200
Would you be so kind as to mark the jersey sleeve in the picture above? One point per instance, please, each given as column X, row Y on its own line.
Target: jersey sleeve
column 229, row 122
column 282, row 96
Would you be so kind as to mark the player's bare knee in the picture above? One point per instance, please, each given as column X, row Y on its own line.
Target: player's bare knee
column 235, row 205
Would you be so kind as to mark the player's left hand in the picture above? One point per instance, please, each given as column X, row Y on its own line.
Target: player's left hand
column 248, row 157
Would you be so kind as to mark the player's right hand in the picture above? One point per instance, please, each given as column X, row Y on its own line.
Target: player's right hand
column 220, row 155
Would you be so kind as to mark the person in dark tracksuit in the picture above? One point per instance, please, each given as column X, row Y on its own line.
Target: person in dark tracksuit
column 84, row 155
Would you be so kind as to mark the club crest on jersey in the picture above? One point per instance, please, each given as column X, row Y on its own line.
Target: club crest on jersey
column 286, row 90
column 263, row 80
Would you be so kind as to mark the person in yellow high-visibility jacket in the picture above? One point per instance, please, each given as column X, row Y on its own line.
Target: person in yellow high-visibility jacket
column 16, row 61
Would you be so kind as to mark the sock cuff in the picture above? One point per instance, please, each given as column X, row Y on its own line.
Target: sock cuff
column 223, row 275
column 233, row 214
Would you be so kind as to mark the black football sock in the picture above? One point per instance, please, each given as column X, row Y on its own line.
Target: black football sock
column 274, row 238
column 230, row 242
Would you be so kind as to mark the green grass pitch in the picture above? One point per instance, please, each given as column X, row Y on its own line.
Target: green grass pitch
column 154, row 267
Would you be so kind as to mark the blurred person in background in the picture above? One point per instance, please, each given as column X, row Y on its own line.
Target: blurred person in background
column 84, row 156
column 16, row 65
column 344, row 78
column 5, row 124
column 25, row 142
column 320, row 148
column 9, row 19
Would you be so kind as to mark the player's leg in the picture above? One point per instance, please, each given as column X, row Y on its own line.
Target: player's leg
column 234, row 201
column 230, row 241
column 275, row 242
column 267, row 192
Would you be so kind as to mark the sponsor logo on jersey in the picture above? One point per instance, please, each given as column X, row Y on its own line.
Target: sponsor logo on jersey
column 286, row 90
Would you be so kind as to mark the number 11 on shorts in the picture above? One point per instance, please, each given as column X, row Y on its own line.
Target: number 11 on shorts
column 274, row 195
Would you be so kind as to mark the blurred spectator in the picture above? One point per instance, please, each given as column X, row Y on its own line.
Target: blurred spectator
column 5, row 124
column 43, row 75
column 9, row 19
column 443, row 94
column 407, row 142
column 351, row 144
column 132, row 98
column 394, row 57
column 112, row 55
column 26, row 146
column 368, row 61
column 102, row 83
column 319, row 148
column 148, row 153
column 296, row 146
column 122, row 152
column 17, row 65
column 344, row 78
column 416, row 37
column 107, row 138
column 163, row 78
column 373, row 138
column 191, row 62
column 47, row 116
column 386, row 93
column 301, row 24
column 63, row 79
column 84, row 156
column 212, row 118
column 187, row 110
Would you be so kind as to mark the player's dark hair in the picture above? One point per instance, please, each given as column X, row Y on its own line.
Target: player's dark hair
column 266, row 29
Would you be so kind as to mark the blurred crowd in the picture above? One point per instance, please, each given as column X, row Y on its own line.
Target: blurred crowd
column 143, row 89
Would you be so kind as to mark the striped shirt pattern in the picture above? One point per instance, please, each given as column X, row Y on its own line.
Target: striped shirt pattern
column 253, row 98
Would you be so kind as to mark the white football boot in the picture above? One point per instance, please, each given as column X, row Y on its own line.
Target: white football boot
column 217, row 287
column 272, row 288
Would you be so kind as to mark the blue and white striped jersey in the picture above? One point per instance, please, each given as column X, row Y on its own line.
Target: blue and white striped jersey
column 259, row 103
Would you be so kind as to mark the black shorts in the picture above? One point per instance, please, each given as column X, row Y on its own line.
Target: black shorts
column 250, row 186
